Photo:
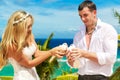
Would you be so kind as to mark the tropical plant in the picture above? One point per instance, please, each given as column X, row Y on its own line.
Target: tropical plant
column 118, row 40
column 6, row 77
column 67, row 72
column 67, row 77
column 116, row 75
column 117, row 15
column 46, row 68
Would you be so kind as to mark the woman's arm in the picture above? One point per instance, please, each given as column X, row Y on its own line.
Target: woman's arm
column 43, row 55
column 24, row 61
column 40, row 56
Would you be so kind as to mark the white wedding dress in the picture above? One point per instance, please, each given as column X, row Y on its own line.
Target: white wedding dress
column 21, row 72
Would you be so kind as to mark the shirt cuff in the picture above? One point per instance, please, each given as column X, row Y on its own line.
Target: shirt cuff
column 101, row 58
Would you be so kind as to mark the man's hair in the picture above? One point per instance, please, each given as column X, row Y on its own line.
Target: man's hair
column 87, row 3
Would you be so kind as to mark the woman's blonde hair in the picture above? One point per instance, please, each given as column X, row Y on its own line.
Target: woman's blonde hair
column 14, row 34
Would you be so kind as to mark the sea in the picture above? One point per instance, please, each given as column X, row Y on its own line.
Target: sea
column 63, row 67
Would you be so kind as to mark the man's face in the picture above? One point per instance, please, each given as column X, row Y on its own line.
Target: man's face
column 87, row 16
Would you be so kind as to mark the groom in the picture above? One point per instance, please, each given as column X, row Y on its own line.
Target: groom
column 96, row 45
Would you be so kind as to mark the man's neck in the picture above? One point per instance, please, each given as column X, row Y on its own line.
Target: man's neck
column 91, row 28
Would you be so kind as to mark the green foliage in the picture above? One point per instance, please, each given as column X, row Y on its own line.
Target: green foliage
column 6, row 78
column 67, row 77
column 116, row 14
column 45, row 46
column 66, row 72
column 118, row 45
column 46, row 68
column 118, row 36
column 116, row 75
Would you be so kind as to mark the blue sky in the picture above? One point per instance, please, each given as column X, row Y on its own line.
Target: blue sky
column 57, row 16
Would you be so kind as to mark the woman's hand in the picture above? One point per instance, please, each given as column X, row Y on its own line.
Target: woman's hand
column 58, row 51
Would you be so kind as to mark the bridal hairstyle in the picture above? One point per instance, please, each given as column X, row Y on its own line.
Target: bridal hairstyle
column 14, row 34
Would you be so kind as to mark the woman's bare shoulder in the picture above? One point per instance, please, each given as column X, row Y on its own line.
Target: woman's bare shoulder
column 13, row 53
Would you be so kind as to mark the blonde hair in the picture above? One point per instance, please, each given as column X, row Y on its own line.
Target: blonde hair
column 14, row 35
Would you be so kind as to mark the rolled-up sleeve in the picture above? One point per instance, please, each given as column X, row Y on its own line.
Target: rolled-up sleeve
column 110, row 48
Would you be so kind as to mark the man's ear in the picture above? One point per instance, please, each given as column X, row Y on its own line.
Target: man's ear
column 95, row 12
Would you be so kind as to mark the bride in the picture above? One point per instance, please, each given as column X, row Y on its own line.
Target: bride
column 18, row 46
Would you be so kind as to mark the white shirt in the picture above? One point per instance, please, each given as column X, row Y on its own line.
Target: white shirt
column 104, row 44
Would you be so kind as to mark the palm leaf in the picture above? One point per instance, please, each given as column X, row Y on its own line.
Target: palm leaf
column 46, row 43
column 116, row 14
column 46, row 68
